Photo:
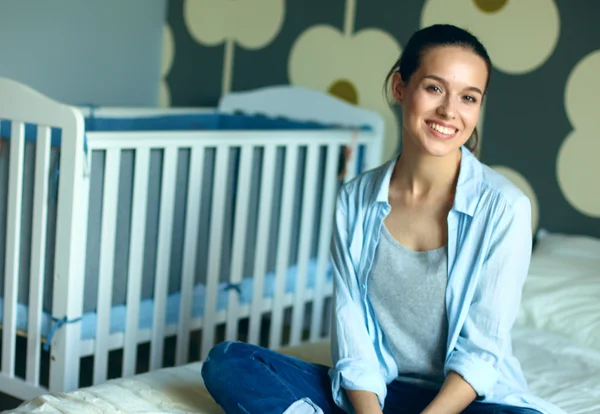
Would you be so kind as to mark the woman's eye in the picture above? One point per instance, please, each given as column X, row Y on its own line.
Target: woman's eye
column 434, row 88
column 470, row 99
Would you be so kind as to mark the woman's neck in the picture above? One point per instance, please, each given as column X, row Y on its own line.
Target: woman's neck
column 419, row 174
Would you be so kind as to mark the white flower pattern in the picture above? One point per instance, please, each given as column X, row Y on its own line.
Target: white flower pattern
column 349, row 65
column 577, row 164
column 251, row 24
column 164, row 95
column 515, row 45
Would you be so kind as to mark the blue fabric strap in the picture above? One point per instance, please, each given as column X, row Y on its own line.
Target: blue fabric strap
column 59, row 323
column 234, row 286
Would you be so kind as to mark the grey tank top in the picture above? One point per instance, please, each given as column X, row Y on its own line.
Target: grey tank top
column 407, row 290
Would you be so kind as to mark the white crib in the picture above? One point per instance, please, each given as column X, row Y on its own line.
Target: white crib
column 169, row 238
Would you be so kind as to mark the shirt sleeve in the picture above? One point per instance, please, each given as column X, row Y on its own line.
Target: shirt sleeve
column 355, row 364
column 486, row 334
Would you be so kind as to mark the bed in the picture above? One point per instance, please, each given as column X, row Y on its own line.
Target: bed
column 556, row 338
column 135, row 239
column 557, row 369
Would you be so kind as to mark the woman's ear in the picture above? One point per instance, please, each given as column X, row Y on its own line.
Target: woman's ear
column 398, row 88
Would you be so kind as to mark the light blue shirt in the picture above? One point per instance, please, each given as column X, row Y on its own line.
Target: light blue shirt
column 489, row 250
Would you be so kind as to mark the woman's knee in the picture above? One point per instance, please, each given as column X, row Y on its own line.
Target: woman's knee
column 221, row 358
column 229, row 351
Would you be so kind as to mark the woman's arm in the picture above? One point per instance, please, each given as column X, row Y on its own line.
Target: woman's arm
column 455, row 395
column 364, row 402
column 355, row 362
column 471, row 368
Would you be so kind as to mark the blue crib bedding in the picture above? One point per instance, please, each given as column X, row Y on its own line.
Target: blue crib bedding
column 203, row 122
column 118, row 315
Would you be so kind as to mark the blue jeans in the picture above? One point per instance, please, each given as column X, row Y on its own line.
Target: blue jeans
column 244, row 378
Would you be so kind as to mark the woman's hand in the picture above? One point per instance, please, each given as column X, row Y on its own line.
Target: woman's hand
column 455, row 395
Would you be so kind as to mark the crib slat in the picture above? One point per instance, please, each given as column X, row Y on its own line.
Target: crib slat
column 38, row 254
column 215, row 247
column 352, row 162
column 194, row 193
column 262, row 241
column 136, row 258
column 307, row 221
column 239, row 239
column 285, row 229
column 13, row 244
column 164, row 254
column 327, row 210
column 112, row 167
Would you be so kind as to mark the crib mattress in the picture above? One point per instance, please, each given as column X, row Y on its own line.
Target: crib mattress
column 557, row 369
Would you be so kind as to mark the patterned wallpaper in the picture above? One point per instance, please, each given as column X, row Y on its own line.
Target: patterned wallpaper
column 537, row 121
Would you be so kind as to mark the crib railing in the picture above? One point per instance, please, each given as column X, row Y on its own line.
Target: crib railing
column 159, row 242
column 309, row 165
column 30, row 116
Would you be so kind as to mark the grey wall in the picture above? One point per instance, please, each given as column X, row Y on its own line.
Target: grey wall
column 104, row 52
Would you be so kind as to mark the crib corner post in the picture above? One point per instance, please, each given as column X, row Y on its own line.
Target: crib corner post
column 69, row 266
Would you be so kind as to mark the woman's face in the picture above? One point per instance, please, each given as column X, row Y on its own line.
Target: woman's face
column 442, row 100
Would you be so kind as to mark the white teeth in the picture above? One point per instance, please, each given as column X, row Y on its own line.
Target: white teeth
column 443, row 130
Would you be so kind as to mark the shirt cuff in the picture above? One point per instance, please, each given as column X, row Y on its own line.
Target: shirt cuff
column 480, row 374
column 353, row 375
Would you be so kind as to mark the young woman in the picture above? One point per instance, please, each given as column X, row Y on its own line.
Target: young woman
column 430, row 252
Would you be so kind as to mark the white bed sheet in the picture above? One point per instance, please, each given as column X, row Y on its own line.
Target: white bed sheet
column 557, row 369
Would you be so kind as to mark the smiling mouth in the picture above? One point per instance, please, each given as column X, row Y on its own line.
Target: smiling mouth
column 442, row 130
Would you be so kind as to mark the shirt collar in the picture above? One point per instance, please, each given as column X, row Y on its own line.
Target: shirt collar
column 467, row 188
